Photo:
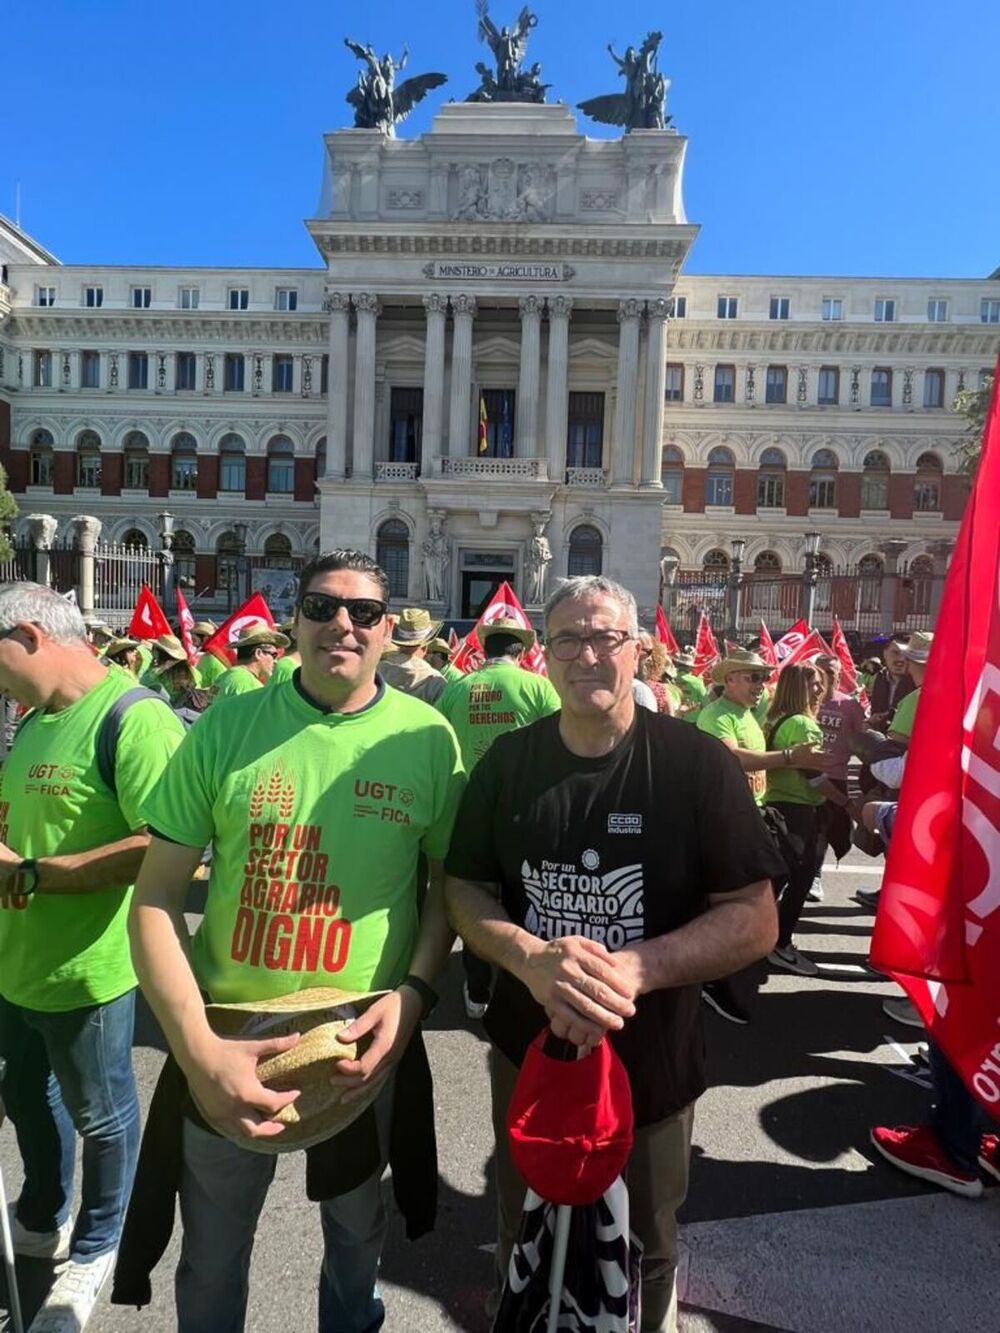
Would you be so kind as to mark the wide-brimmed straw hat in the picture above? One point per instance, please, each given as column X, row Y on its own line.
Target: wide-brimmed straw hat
column 319, row 1014
column 122, row 645
column 206, row 627
column 171, row 645
column 685, row 658
column 414, row 627
column 259, row 636
column 439, row 646
column 504, row 625
column 918, row 648
column 740, row 659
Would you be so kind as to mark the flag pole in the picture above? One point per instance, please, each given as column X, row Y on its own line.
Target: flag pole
column 560, row 1246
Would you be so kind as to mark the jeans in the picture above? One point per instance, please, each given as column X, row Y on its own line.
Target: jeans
column 956, row 1117
column 73, row 1071
column 223, row 1188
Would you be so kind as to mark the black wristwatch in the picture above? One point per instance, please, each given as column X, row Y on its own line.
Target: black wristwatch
column 29, row 870
column 428, row 995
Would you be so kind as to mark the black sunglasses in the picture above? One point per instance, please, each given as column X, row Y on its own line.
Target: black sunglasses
column 365, row 612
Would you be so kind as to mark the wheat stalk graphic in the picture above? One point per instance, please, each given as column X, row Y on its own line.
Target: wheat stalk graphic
column 287, row 801
column 257, row 800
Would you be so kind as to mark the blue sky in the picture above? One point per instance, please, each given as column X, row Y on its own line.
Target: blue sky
column 853, row 137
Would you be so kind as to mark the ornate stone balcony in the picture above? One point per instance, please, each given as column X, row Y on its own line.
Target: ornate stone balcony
column 499, row 469
column 591, row 477
column 397, row 471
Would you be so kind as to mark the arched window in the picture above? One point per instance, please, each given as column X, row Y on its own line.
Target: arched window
column 183, row 462
column 771, row 480
column 823, row 480
column 870, row 583
column 927, row 485
column 765, row 584
column 392, row 552
column 41, row 458
column 229, row 552
column 672, row 474
column 921, row 581
column 719, row 478
column 136, row 451
column 767, row 563
column 586, row 550
column 321, row 458
column 278, row 552
column 183, row 549
column 824, row 584
column 136, row 540
column 875, row 481
column 716, row 561
column 232, row 463
column 280, row 466
column 88, row 460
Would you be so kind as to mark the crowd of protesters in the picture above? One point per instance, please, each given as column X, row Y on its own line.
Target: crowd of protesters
column 365, row 803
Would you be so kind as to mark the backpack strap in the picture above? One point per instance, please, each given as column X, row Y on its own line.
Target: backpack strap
column 773, row 730
column 111, row 725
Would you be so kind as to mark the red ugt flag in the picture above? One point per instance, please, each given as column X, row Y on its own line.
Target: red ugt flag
column 148, row 620
column 938, row 924
column 665, row 634
column 254, row 611
column 791, row 640
column 848, row 671
column 186, row 624
column 706, row 650
column 767, row 646
column 503, row 605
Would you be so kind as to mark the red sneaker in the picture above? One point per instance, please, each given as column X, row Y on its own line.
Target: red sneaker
column 915, row 1149
column 989, row 1154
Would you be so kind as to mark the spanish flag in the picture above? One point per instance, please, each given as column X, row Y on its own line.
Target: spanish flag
column 484, row 421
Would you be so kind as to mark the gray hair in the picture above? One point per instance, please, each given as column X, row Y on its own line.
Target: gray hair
column 594, row 585
column 34, row 604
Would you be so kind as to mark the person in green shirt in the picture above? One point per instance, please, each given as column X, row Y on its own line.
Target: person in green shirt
column 208, row 667
column 124, row 653
column 167, row 648
column 256, row 653
column 796, row 791
column 70, row 847
column 694, row 693
column 439, row 657
column 917, row 653
column 319, row 799
column 290, row 660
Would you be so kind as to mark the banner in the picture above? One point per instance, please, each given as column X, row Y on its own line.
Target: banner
column 148, row 620
column 504, row 605
column 767, row 650
column 254, row 611
column 811, row 646
column 185, row 622
column 938, row 925
column 665, row 634
column 791, row 640
column 848, row 671
column 706, row 650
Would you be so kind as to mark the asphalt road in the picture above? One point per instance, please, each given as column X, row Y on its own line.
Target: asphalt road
column 780, row 1140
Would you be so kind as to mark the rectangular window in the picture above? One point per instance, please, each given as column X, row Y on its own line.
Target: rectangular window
column 187, row 298
column 776, row 388
column 989, row 312
column 138, row 370
column 185, row 371
column 90, row 370
column 937, row 311
column 829, row 386
column 726, row 307
column 677, row 307
column 281, row 474
column 239, row 298
column 184, row 472
column 885, row 311
column 674, row 390
column 406, row 410
column 933, row 388
column 41, row 467
column 324, row 373
column 286, row 298
column 43, row 370
column 725, row 384
column 985, row 378
column 45, row 296
column 822, row 491
column 780, row 306
column 93, row 297
column 673, row 480
column 233, row 368
column 141, row 298
column 89, row 471
column 281, row 374
column 771, row 488
column 496, row 423
column 585, row 433
column 832, row 308
column 137, row 472
column 881, row 395
column 719, row 488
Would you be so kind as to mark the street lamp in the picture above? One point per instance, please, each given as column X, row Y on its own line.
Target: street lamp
column 810, row 574
column 739, row 546
column 240, row 530
column 166, row 555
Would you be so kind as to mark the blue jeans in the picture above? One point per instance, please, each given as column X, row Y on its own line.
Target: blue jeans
column 956, row 1117
column 73, row 1071
column 222, row 1192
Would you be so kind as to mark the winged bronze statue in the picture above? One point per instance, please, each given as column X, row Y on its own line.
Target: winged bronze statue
column 510, row 82
column 641, row 105
column 379, row 104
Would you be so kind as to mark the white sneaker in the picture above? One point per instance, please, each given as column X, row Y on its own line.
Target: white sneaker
column 474, row 1009
column 74, row 1294
column 40, row 1244
column 788, row 957
column 815, row 894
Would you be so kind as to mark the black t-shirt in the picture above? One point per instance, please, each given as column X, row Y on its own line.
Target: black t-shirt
column 621, row 848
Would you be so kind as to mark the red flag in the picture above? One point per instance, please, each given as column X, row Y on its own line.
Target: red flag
column 186, row 625
column 706, row 650
column 767, row 646
column 811, row 646
column 503, row 605
column 254, row 611
column 791, row 640
column 938, row 924
column 665, row 634
column 848, row 671
column 148, row 620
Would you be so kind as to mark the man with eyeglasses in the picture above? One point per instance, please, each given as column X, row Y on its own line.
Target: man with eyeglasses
column 589, row 866
column 319, row 798
column 256, row 653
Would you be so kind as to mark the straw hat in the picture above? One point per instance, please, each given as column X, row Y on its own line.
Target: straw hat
column 685, row 658
column 257, row 636
column 288, row 626
column 504, row 625
column 319, row 1014
column 122, row 645
column 439, row 646
column 740, row 659
column 206, row 627
column 414, row 627
column 918, row 648
column 171, row 646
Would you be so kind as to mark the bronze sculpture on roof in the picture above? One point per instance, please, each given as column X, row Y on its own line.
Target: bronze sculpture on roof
column 641, row 105
column 510, row 82
column 377, row 100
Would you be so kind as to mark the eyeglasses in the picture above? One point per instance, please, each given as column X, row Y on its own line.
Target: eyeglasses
column 268, row 652
column 754, row 677
column 365, row 612
column 605, row 643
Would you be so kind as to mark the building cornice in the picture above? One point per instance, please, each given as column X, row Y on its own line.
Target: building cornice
column 670, row 243
column 151, row 326
column 820, row 339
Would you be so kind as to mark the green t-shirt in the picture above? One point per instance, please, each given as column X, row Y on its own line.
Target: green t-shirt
column 499, row 697
column 903, row 718
column 145, row 658
column 237, row 680
column 317, row 820
column 694, row 693
column 208, row 669
column 70, row 951
column 451, row 672
column 731, row 722
column 792, row 784
column 284, row 669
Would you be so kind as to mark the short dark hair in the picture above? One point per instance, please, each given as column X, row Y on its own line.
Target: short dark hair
column 503, row 645
column 356, row 561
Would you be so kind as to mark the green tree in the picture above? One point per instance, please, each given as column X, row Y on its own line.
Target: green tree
column 8, row 510
column 972, row 404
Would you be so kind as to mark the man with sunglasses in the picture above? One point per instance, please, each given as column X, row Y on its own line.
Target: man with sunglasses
column 587, row 865
column 319, row 798
column 256, row 653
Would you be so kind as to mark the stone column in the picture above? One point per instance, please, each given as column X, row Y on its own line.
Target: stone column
column 88, row 531
column 526, row 437
column 367, row 306
column 556, row 388
column 892, row 550
column 339, row 307
column 43, row 529
column 436, row 306
column 623, row 444
column 463, row 309
column 656, row 383
column 940, row 552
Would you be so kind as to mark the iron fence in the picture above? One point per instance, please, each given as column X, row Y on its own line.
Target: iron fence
column 120, row 572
